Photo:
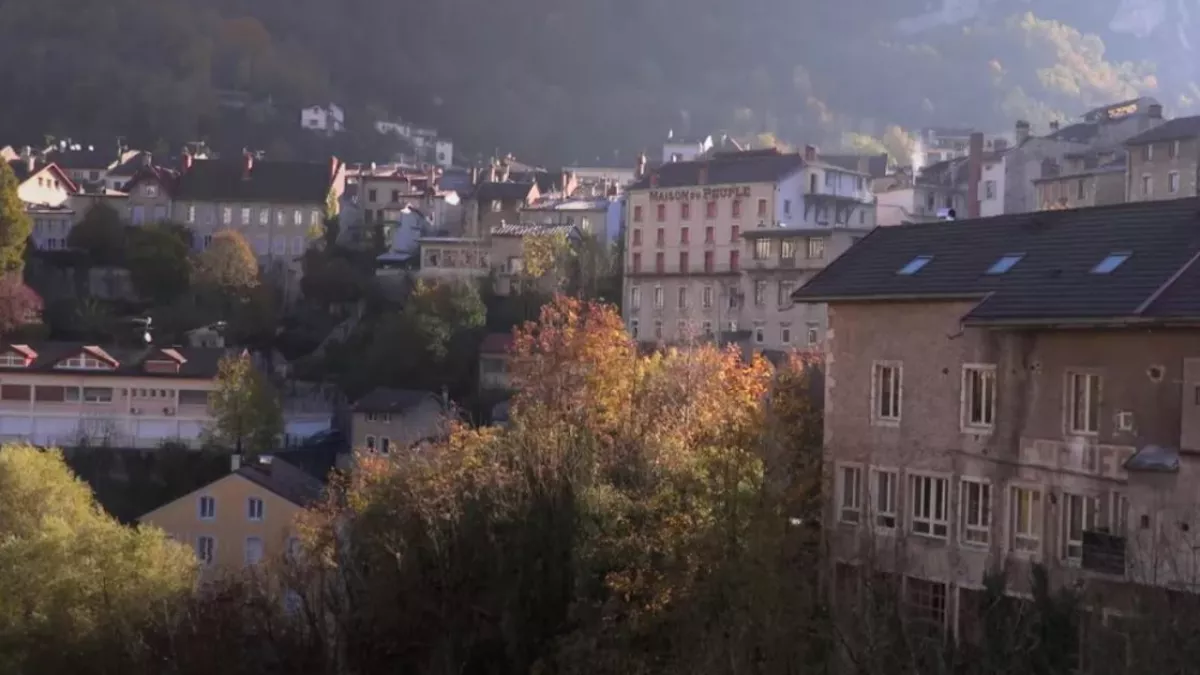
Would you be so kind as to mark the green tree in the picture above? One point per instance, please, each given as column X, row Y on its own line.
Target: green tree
column 246, row 413
column 72, row 578
column 228, row 264
column 15, row 225
column 158, row 262
column 101, row 234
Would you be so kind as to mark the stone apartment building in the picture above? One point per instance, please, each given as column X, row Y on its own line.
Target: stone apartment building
column 715, row 245
column 1164, row 163
column 1094, row 178
column 1017, row 390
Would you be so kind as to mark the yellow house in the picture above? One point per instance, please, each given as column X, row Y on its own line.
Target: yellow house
column 243, row 519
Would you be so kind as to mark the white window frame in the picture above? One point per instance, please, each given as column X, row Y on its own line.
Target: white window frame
column 987, row 375
column 885, row 508
column 850, row 497
column 250, row 510
column 814, row 333
column 1091, row 425
column 760, row 293
column 816, row 248
column 894, row 370
column 682, row 294
column 785, row 333
column 246, row 215
column 1172, row 182
column 659, row 297
column 200, row 501
column 633, row 328
column 760, row 332
column 977, row 534
column 658, row 329
column 635, row 298
column 226, row 215
column 931, row 520
column 211, row 558
column 1021, row 540
column 707, row 297
column 1147, row 185
column 262, row 553
column 1072, row 549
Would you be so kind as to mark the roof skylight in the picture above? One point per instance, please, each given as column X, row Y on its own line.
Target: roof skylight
column 1005, row 263
column 1110, row 263
column 915, row 265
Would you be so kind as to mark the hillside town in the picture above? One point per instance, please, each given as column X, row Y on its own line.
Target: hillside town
column 989, row 343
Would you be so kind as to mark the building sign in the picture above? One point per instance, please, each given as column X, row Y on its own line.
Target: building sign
column 707, row 194
column 1122, row 111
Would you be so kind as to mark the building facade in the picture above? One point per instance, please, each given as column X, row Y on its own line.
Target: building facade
column 387, row 420
column 1164, row 162
column 690, row 270
column 1009, row 392
column 1088, row 179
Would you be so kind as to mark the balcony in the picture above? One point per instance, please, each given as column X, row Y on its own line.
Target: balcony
column 1079, row 455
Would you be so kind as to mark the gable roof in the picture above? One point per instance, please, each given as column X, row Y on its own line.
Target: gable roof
column 1053, row 281
column 83, row 159
column 1180, row 127
column 289, row 482
column 196, row 363
column 750, row 166
column 384, row 399
column 272, row 181
column 1082, row 132
column 20, row 168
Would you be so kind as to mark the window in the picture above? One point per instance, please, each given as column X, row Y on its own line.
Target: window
column 915, row 265
column 1083, row 403
column 1110, row 263
column 395, row 195
column 706, row 296
column 637, row 214
column 245, row 215
column 150, row 190
column 685, row 211
column 816, row 248
column 370, row 443
column 787, row 207
column 976, row 501
column 226, row 215
column 635, row 298
column 1147, row 186
column 264, row 216
column 1173, row 182
column 814, row 333
column 1005, row 263
column 207, row 507
column 660, row 238
column 660, row 265
column 254, row 550
column 708, row 262
column 710, row 210
column 785, row 292
column 734, row 260
column 658, row 330
column 372, row 195
column 979, row 397
column 661, row 212
column 1079, row 515
column 315, row 218
column 734, row 232
column 849, row 494
column 683, row 297
column 787, row 249
column 191, row 213
column 206, row 548
column 760, row 332
column 989, row 189
column 708, row 329
column 683, row 235
column 1080, row 189
column 762, row 208
column 385, row 445
column 762, row 249
column 760, row 293
column 708, row 235
column 637, row 263
column 254, row 509
column 926, row 601
column 658, row 297
column 930, row 497
column 97, row 395
column 1025, row 519
column 785, row 333
column 1148, row 152
column 11, row 360
column 683, row 261
column 736, row 208
column 883, row 498
column 1174, row 149
column 633, row 328
column 637, row 237
column 886, row 392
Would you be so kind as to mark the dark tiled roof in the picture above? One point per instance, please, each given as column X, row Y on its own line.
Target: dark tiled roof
column 1180, row 127
column 874, row 166
column 751, row 166
column 506, row 191
column 82, row 159
column 1052, row 282
column 273, row 181
column 1082, row 132
column 290, row 482
column 197, row 362
column 384, row 399
column 130, row 166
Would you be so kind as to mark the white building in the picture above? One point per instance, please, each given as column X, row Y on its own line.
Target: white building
column 443, row 153
column 678, row 149
column 330, row 118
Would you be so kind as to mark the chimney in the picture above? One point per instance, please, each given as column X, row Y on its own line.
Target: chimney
column 185, row 161
column 474, row 175
column 1022, row 131
column 810, row 153
column 504, row 169
column 641, row 166
column 235, row 462
column 247, row 165
column 566, row 182
column 1154, row 111
column 974, row 174
column 492, row 171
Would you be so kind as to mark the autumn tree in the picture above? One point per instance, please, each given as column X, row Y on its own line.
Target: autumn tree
column 245, row 408
column 158, row 261
column 15, row 224
column 545, row 258
column 101, row 235
column 75, row 584
column 228, row 264
column 19, row 304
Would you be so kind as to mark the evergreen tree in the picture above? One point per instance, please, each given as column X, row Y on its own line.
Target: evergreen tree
column 15, row 225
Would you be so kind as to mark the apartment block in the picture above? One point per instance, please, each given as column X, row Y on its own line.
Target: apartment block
column 1014, row 391
column 714, row 246
column 1164, row 162
column 1095, row 178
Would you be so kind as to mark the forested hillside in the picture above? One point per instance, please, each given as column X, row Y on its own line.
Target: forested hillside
column 574, row 80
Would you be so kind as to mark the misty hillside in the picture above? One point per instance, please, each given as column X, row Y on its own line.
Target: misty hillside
column 576, row 80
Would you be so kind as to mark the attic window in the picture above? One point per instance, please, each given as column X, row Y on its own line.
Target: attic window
column 13, row 360
column 162, row 366
column 915, row 265
column 84, row 362
column 1110, row 263
column 1005, row 263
